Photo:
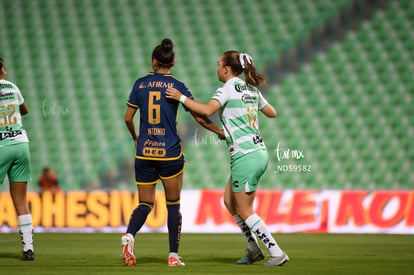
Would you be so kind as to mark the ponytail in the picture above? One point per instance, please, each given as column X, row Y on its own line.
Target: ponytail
column 251, row 76
column 243, row 63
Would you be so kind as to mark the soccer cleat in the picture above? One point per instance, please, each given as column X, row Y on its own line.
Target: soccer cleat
column 173, row 261
column 128, row 250
column 277, row 261
column 251, row 257
column 28, row 255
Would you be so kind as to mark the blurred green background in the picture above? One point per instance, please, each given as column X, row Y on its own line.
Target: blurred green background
column 340, row 76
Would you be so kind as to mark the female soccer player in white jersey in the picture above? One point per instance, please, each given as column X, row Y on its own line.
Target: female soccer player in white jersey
column 159, row 154
column 15, row 156
column 238, row 102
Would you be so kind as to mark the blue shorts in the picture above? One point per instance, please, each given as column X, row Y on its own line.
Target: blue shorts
column 151, row 171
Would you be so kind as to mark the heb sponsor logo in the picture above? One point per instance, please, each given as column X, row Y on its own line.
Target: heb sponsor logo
column 154, row 152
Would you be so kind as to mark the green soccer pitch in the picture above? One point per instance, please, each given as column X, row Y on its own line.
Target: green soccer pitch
column 100, row 253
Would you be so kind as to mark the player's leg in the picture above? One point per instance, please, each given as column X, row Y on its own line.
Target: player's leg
column 253, row 167
column 146, row 199
column 19, row 176
column 172, row 180
column 172, row 196
column 228, row 201
column 244, row 208
column 259, row 228
column 234, row 186
column 18, row 192
column 146, row 177
column 254, row 253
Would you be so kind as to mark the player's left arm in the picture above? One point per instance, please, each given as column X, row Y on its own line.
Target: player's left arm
column 265, row 107
column 269, row 111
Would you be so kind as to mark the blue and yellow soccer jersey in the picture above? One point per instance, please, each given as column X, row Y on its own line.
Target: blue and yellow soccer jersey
column 158, row 138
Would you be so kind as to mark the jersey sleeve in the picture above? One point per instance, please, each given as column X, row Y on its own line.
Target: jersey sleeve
column 20, row 97
column 133, row 99
column 262, row 101
column 185, row 91
column 221, row 96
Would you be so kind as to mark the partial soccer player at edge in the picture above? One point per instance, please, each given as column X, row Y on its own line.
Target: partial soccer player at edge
column 15, row 157
column 238, row 102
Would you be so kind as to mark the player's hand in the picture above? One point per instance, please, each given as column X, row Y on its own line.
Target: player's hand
column 173, row 93
column 221, row 135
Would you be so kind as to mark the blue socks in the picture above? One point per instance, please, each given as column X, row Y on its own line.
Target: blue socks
column 138, row 218
column 140, row 214
column 174, row 224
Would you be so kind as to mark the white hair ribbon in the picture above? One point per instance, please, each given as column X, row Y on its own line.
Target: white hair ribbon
column 248, row 57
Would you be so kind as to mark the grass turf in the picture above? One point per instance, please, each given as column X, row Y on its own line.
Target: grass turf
column 73, row 253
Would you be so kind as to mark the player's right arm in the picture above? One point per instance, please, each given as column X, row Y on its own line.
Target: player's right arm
column 200, row 108
column 129, row 121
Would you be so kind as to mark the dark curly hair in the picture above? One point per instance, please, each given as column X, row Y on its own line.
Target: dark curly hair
column 164, row 54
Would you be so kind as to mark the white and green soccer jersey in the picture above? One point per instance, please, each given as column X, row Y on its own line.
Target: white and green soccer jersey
column 240, row 105
column 11, row 127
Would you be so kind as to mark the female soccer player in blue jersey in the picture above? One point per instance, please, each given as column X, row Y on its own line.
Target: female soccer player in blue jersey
column 239, row 101
column 15, row 157
column 159, row 154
